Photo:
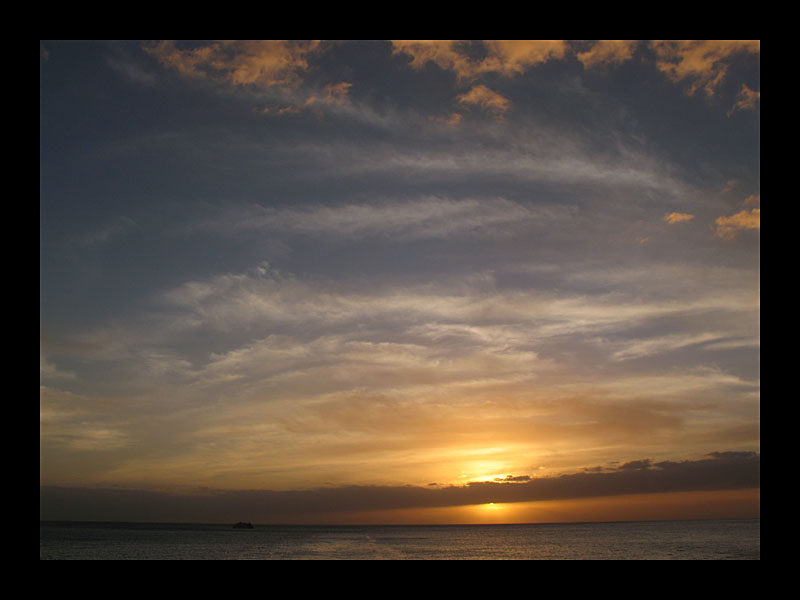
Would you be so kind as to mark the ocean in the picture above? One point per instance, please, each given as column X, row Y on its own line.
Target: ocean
column 652, row 540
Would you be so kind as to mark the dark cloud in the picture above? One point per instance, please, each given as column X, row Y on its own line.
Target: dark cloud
column 732, row 455
column 722, row 471
column 637, row 464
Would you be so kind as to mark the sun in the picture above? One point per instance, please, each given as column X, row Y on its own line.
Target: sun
column 491, row 512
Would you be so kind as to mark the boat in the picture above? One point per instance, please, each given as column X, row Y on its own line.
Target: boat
column 243, row 525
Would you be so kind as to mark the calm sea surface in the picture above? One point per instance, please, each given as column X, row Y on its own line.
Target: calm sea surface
column 660, row 540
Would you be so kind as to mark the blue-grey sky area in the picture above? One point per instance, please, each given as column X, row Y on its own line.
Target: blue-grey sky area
column 310, row 269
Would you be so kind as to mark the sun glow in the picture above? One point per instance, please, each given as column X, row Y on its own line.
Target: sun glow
column 485, row 464
column 492, row 512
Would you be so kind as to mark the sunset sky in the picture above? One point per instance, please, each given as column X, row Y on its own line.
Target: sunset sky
column 399, row 281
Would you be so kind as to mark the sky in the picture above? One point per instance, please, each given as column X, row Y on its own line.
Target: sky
column 399, row 281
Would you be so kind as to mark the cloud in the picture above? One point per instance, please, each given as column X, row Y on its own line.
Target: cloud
column 633, row 349
column 48, row 371
column 505, row 57
column 130, row 69
column 441, row 52
column 730, row 227
column 471, row 304
column 606, row 52
column 722, row 471
column 753, row 199
column 636, row 464
column 403, row 380
column 730, row 185
column 482, row 96
column 700, row 64
column 423, row 218
column 677, row 217
column 67, row 423
column 746, row 100
column 546, row 158
column 453, row 119
column 110, row 230
column 511, row 57
column 333, row 95
column 259, row 62
column 280, row 64
column 267, row 317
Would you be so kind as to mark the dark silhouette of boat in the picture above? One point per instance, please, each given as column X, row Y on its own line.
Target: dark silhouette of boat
column 243, row 525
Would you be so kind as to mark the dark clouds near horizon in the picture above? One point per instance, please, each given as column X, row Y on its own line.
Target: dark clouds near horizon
column 720, row 471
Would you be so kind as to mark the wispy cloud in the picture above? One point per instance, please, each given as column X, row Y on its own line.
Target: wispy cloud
column 429, row 217
column 241, row 298
column 332, row 95
column 107, row 232
column 542, row 158
column 48, row 371
column 71, row 422
column 327, row 368
column 641, row 348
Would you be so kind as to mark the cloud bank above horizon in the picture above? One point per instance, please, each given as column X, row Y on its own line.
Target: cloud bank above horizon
column 720, row 471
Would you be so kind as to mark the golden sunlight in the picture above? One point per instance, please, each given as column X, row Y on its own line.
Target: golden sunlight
column 493, row 512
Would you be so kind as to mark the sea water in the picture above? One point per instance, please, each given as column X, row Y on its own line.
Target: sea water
column 653, row 540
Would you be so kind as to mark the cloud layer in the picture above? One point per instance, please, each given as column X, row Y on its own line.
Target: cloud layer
column 723, row 471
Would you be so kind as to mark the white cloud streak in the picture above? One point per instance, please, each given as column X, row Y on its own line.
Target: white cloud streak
column 429, row 217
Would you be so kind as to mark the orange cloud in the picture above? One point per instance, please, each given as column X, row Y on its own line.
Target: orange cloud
column 730, row 227
column 261, row 62
column 507, row 57
column 701, row 63
column 754, row 199
column 606, row 52
column 440, row 52
column 510, row 57
column 746, row 100
column 677, row 217
column 482, row 96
